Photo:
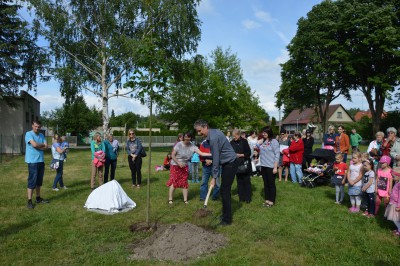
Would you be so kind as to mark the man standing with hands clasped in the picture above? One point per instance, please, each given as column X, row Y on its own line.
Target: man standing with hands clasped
column 222, row 155
column 34, row 157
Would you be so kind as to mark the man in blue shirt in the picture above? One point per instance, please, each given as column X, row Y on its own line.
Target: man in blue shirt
column 222, row 155
column 34, row 157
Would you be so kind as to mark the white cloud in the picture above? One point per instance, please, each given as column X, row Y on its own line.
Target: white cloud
column 205, row 6
column 250, row 24
column 264, row 16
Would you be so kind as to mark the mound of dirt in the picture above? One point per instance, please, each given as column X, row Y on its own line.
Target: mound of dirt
column 178, row 242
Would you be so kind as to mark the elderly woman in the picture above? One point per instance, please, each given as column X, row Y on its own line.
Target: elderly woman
column 112, row 147
column 342, row 143
column 269, row 159
column 242, row 150
column 96, row 146
column 329, row 138
column 392, row 146
column 58, row 154
column 179, row 170
column 374, row 147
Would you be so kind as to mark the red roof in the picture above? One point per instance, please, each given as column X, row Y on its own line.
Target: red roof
column 307, row 115
column 360, row 114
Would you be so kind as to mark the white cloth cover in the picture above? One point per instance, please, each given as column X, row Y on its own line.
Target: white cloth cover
column 109, row 198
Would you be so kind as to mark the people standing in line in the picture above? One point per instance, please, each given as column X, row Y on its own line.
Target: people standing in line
column 383, row 186
column 96, row 146
column 368, row 187
column 284, row 143
column 269, row 159
column 206, row 162
column 329, row 138
column 58, row 153
column 134, row 149
column 338, row 179
column 252, row 140
column 355, row 140
column 112, row 149
column 392, row 212
column 296, row 150
column 242, row 150
column 34, row 157
column 179, row 173
column 354, row 178
column 342, row 143
column 222, row 155
column 308, row 141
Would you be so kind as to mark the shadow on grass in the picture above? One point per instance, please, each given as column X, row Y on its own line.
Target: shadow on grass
column 16, row 228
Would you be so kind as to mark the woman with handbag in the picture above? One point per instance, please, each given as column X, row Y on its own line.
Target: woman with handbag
column 58, row 155
column 269, row 158
column 134, row 149
column 243, row 152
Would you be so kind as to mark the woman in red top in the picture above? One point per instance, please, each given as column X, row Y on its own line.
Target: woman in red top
column 342, row 143
column 296, row 150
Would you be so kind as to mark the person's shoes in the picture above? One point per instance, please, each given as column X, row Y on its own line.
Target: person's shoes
column 64, row 187
column 337, row 202
column 214, row 199
column 371, row 216
column 170, row 202
column 55, row 189
column 355, row 210
column 30, row 205
column 41, row 200
column 223, row 223
column 186, row 202
column 248, row 201
column 365, row 213
column 138, row 186
column 351, row 209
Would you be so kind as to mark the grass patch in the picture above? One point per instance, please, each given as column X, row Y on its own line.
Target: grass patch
column 304, row 228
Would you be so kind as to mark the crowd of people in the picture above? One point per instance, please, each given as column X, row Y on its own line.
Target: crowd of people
column 372, row 177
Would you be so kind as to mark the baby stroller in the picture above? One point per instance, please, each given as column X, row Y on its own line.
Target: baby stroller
column 321, row 173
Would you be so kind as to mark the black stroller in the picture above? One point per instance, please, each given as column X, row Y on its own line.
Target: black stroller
column 321, row 173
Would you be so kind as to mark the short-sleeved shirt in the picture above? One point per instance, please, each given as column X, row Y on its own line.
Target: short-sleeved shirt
column 55, row 153
column 33, row 155
column 183, row 152
column 370, row 175
column 341, row 168
column 383, row 179
column 355, row 170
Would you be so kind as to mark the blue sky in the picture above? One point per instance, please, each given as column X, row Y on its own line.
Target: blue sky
column 257, row 31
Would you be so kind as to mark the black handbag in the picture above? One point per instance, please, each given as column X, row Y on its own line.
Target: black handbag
column 244, row 168
column 143, row 152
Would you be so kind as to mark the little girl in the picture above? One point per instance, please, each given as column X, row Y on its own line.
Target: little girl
column 383, row 185
column 392, row 212
column 338, row 179
column 369, row 187
column 354, row 176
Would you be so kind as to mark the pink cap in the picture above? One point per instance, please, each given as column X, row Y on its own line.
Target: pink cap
column 385, row 159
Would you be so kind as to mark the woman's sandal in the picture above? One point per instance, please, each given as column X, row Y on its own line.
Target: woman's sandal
column 186, row 202
column 170, row 202
column 267, row 205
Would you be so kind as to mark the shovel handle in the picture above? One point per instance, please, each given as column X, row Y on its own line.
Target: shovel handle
column 208, row 196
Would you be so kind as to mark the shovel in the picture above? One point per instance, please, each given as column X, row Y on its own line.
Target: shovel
column 208, row 197
column 203, row 212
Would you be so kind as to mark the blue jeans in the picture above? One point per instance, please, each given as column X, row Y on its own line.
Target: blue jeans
column 35, row 176
column 207, row 173
column 296, row 173
column 194, row 171
column 59, row 175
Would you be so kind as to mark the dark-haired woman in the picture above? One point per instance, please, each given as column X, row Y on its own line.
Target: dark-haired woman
column 179, row 170
column 269, row 159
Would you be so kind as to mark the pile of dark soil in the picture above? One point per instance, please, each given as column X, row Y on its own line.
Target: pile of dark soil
column 178, row 242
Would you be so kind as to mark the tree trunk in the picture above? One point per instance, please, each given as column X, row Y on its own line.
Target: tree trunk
column 377, row 110
column 104, row 97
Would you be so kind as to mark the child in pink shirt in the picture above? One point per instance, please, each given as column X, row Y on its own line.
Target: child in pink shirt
column 392, row 212
column 383, row 184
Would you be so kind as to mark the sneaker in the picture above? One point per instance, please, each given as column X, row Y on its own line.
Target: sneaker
column 337, row 202
column 64, row 187
column 30, row 205
column 55, row 189
column 351, row 209
column 365, row 213
column 41, row 200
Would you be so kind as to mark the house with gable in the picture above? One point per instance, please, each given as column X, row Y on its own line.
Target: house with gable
column 299, row 120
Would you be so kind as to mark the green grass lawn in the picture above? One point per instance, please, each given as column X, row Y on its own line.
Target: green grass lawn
column 304, row 228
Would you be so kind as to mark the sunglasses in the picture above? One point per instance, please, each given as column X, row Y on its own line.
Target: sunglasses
column 131, row 133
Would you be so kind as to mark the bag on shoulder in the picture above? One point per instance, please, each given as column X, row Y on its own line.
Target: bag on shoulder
column 54, row 164
column 143, row 152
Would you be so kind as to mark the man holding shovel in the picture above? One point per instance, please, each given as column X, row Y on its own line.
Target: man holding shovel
column 222, row 155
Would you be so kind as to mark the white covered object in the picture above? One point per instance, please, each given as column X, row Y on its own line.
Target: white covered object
column 109, row 198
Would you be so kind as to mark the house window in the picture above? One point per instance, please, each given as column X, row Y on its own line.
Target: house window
column 27, row 117
column 339, row 115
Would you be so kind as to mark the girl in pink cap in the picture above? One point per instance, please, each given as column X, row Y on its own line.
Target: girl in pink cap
column 383, row 184
column 392, row 212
